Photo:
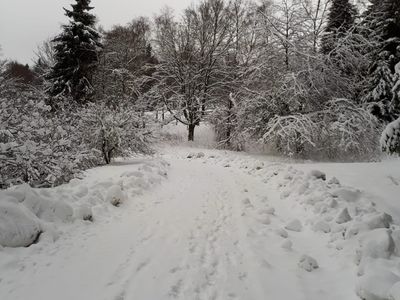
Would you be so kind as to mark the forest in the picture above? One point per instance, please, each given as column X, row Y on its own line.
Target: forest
column 305, row 79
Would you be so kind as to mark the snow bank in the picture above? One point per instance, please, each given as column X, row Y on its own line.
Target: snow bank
column 347, row 216
column 26, row 213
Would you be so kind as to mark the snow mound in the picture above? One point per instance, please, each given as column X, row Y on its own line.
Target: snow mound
column 378, row 285
column 396, row 241
column 394, row 292
column 322, row 226
column 19, row 227
column 308, row 263
column 343, row 216
column 115, row 195
column 377, row 243
column 287, row 244
column 264, row 219
column 268, row 211
column 317, row 175
column 195, row 155
column 294, row 225
column 282, row 233
column 27, row 212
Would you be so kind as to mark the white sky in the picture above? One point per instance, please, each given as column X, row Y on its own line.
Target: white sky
column 24, row 24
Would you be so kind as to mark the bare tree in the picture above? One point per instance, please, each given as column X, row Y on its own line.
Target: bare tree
column 126, row 51
column 190, row 53
column 315, row 20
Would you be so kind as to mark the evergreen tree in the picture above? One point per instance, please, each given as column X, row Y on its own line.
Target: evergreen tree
column 76, row 55
column 341, row 18
column 383, row 21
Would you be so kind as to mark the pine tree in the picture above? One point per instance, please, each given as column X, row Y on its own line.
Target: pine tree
column 383, row 21
column 341, row 18
column 76, row 55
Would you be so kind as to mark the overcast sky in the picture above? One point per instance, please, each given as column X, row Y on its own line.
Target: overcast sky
column 24, row 24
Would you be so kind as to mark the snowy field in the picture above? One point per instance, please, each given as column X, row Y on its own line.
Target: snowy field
column 192, row 223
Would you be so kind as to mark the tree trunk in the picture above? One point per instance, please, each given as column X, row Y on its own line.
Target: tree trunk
column 228, row 125
column 106, row 157
column 191, row 132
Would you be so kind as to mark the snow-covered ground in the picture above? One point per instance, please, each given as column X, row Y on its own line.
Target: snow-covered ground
column 219, row 225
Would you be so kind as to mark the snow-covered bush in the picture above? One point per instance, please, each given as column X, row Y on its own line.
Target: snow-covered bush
column 37, row 146
column 390, row 139
column 114, row 131
column 292, row 133
column 349, row 131
column 340, row 130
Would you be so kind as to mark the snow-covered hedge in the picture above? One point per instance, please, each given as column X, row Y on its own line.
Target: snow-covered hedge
column 46, row 147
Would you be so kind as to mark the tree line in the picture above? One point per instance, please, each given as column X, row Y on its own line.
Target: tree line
column 314, row 79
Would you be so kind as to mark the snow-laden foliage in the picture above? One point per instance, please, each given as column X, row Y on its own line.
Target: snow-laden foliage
column 339, row 130
column 383, row 23
column 37, row 146
column 390, row 140
column 292, row 133
column 349, row 131
column 76, row 55
column 115, row 131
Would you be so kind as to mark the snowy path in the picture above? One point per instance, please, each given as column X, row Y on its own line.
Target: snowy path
column 204, row 233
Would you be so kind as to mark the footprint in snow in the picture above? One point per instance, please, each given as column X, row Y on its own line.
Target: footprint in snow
column 287, row 244
column 174, row 270
column 142, row 265
column 267, row 211
column 264, row 219
column 176, row 289
column 246, row 203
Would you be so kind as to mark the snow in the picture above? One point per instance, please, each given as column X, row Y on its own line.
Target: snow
column 308, row 263
column 343, row 216
column 26, row 213
column 260, row 228
column 294, row 225
column 376, row 285
column 18, row 226
column 390, row 139
column 287, row 244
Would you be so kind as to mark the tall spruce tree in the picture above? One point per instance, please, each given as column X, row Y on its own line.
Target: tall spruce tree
column 383, row 94
column 76, row 55
column 341, row 18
